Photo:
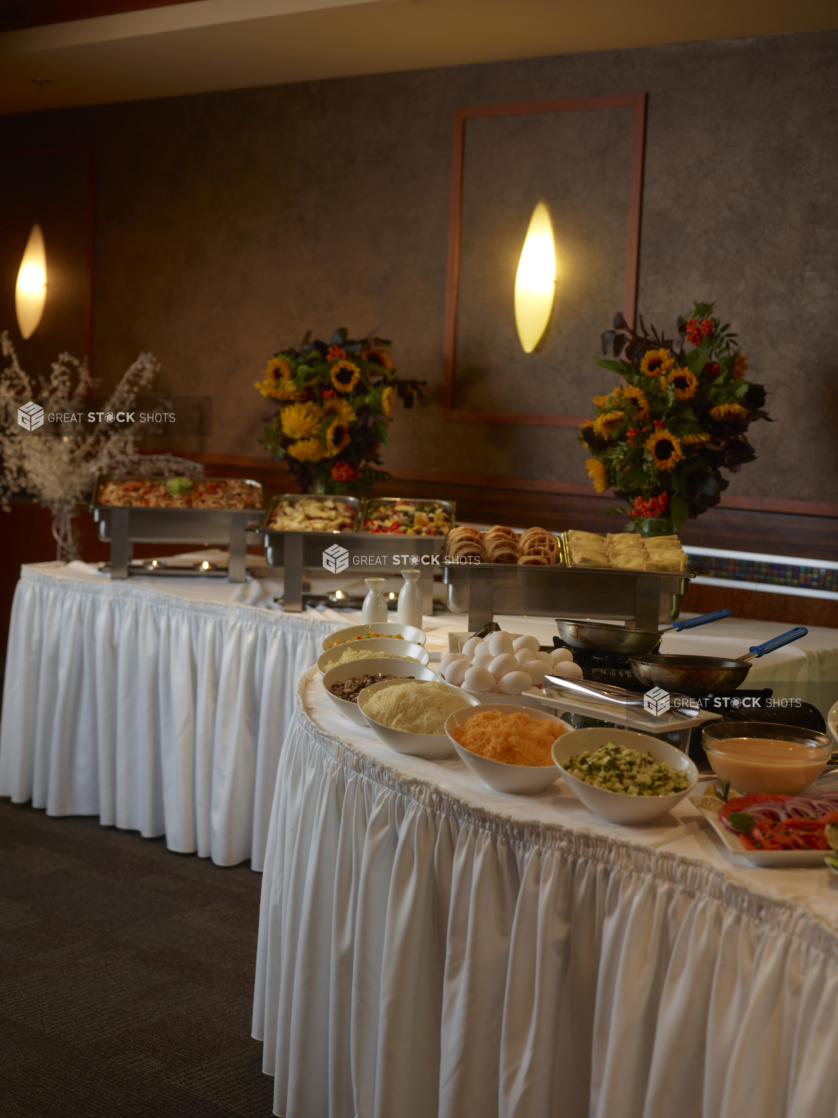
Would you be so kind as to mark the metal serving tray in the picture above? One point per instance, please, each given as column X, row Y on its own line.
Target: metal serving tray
column 123, row 527
column 274, row 537
column 643, row 598
column 377, row 502
column 362, row 555
column 565, row 553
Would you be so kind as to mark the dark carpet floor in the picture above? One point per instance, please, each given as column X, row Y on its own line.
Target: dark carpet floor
column 126, row 976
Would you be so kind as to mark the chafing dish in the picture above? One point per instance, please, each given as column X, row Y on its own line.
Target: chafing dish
column 123, row 527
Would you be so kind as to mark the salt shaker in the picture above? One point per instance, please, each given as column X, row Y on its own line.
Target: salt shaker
column 409, row 610
column 374, row 610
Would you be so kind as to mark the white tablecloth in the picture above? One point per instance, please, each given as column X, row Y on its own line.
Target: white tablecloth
column 159, row 706
column 430, row 949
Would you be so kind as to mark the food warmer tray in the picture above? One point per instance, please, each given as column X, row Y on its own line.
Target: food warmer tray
column 123, row 527
column 368, row 554
column 642, row 598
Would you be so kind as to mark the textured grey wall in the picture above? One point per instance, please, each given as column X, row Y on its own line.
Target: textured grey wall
column 228, row 224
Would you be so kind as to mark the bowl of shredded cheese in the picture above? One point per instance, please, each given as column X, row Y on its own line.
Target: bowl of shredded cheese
column 623, row 776
column 509, row 748
column 372, row 649
column 409, row 715
column 385, row 630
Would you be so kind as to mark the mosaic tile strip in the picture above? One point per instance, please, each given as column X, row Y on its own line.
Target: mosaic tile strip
column 776, row 574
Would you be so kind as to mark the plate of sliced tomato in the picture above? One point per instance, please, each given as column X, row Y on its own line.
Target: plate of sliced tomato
column 773, row 838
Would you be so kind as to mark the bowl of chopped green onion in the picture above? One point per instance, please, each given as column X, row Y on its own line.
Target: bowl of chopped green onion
column 623, row 776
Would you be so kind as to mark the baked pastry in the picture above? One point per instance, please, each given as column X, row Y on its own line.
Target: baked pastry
column 499, row 549
column 499, row 532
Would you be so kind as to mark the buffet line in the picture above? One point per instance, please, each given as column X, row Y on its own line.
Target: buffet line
column 539, row 572
column 505, row 706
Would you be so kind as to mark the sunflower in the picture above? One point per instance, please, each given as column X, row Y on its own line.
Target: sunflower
column 278, row 368
column 586, row 431
column 339, row 409
column 638, row 397
column 277, row 389
column 306, row 450
column 599, row 401
column 684, row 382
column 604, row 424
column 388, row 400
column 337, row 437
column 697, row 439
column 345, row 375
column 377, row 356
column 665, row 450
column 299, row 421
column 739, row 366
column 656, row 362
column 728, row 411
column 597, row 474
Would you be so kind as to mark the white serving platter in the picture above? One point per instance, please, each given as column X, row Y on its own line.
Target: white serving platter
column 710, row 807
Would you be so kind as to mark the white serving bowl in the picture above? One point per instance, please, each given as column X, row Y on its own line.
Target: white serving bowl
column 399, row 668
column 341, row 636
column 523, row 780
column 433, row 747
column 381, row 646
column 617, row 807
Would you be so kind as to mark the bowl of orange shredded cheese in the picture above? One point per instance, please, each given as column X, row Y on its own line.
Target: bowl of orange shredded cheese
column 509, row 748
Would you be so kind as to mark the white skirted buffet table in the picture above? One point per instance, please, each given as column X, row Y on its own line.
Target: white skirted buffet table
column 430, row 949
column 158, row 705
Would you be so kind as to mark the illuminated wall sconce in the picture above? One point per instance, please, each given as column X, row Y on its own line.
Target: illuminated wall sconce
column 31, row 286
column 535, row 283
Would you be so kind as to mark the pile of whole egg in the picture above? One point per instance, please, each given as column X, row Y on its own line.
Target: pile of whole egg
column 502, row 665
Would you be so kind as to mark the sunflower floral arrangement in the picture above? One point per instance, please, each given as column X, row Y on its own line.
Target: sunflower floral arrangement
column 335, row 402
column 661, row 438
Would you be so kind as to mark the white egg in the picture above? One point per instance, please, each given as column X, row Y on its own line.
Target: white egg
column 472, row 645
column 514, row 683
column 568, row 670
column 455, row 673
column 479, row 679
column 561, row 656
column 483, row 658
column 523, row 656
column 536, row 670
column 500, row 643
column 502, row 664
column 449, row 658
column 544, row 657
column 530, row 643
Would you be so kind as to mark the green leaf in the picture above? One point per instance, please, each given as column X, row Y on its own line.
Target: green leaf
column 697, row 358
column 614, row 366
column 742, row 822
column 724, row 794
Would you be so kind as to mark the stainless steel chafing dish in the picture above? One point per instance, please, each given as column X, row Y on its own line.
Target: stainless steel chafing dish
column 643, row 598
column 360, row 554
column 125, row 526
column 390, row 502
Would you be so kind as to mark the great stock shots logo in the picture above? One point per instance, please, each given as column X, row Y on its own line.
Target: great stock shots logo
column 336, row 559
column 656, row 701
column 30, row 416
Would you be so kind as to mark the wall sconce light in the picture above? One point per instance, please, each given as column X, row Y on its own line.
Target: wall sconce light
column 535, row 283
column 31, row 286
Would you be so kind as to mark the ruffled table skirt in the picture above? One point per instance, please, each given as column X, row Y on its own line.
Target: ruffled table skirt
column 157, row 713
column 429, row 949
